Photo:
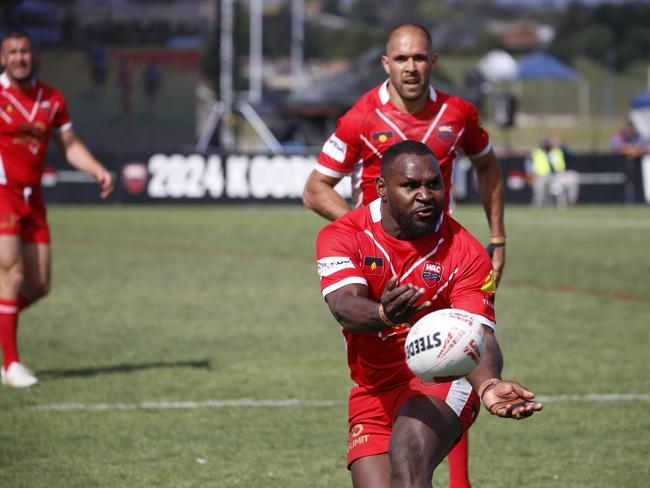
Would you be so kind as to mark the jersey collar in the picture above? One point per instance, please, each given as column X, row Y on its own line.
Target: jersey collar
column 384, row 96
column 5, row 83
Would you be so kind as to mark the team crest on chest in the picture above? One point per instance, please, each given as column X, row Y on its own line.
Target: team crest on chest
column 446, row 134
column 431, row 273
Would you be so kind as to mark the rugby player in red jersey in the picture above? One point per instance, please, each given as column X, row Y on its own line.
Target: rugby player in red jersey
column 30, row 113
column 374, row 265
column 407, row 106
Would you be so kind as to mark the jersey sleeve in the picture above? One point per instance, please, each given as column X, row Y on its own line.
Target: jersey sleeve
column 474, row 288
column 338, row 261
column 342, row 149
column 60, row 119
column 476, row 140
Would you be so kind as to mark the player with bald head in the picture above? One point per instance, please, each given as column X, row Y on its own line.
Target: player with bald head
column 382, row 267
column 408, row 107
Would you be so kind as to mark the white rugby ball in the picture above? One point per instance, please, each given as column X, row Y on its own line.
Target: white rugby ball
column 444, row 345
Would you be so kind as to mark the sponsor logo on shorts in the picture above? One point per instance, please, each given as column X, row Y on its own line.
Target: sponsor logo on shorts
column 331, row 265
column 335, row 148
column 356, row 439
column 431, row 273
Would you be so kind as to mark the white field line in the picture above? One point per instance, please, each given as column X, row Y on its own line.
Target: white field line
column 294, row 402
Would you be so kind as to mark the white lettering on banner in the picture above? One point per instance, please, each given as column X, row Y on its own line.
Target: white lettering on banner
column 157, row 187
column 239, row 177
column 214, row 176
column 237, row 184
column 261, row 177
column 180, row 176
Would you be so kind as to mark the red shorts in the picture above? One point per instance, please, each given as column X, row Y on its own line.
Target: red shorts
column 22, row 213
column 372, row 414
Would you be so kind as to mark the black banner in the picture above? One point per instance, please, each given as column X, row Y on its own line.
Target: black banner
column 247, row 178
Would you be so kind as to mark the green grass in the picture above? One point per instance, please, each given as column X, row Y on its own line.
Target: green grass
column 163, row 304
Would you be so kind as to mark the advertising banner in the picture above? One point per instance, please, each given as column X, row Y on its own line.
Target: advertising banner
column 266, row 178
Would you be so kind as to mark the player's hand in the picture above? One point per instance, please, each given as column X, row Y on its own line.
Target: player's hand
column 105, row 181
column 399, row 301
column 498, row 256
column 509, row 399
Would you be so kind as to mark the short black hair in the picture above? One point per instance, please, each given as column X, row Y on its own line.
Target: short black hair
column 404, row 147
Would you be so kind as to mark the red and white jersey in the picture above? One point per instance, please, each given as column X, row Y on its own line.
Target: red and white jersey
column 447, row 124
column 27, row 120
column 450, row 264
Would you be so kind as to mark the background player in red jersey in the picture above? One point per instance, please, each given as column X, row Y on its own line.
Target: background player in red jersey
column 30, row 113
column 371, row 264
column 406, row 106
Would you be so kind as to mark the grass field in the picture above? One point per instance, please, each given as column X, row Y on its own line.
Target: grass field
column 163, row 321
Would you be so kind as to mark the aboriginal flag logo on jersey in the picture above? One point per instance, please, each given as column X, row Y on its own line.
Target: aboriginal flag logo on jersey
column 371, row 264
column 382, row 136
column 431, row 273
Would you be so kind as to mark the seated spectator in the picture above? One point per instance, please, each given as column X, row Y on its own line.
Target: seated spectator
column 547, row 174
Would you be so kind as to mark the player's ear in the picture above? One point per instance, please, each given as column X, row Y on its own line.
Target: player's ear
column 380, row 186
column 384, row 63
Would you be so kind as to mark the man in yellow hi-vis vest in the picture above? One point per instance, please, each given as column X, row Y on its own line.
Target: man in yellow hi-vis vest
column 548, row 176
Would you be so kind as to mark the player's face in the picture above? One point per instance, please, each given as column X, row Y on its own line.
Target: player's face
column 18, row 58
column 408, row 62
column 414, row 195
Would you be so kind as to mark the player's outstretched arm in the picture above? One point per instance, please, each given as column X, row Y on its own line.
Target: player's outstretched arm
column 509, row 399
column 320, row 196
column 78, row 155
column 502, row 398
column 490, row 187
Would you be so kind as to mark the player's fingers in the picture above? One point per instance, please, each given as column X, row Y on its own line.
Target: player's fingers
column 402, row 297
column 392, row 282
column 521, row 391
column 525, row 409
column 418, row 292
column 424, row 305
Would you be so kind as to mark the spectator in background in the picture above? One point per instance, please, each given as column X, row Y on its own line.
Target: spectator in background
column 98, row 66
column 151, row 86
column 547, row 174
column 629, row 143
column 125, row 85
